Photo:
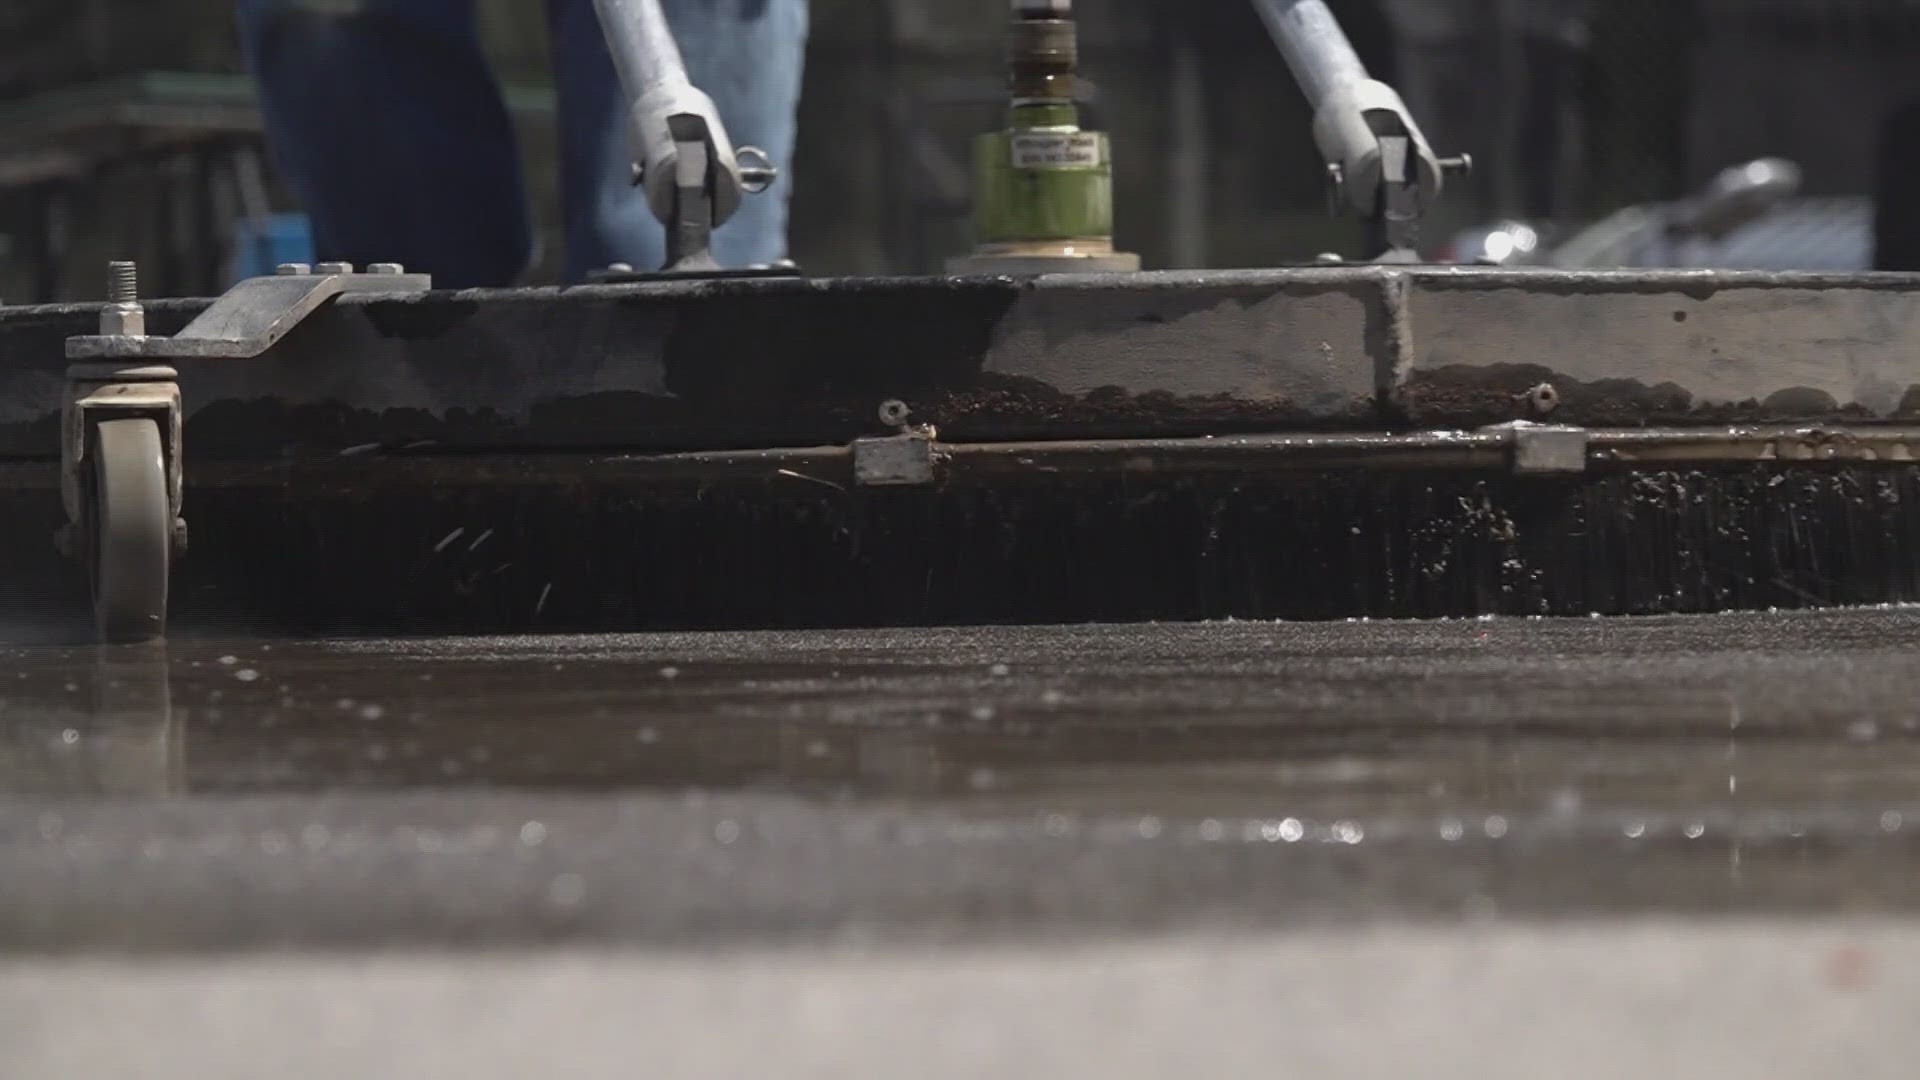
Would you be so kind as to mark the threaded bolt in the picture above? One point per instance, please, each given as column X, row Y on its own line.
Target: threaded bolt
column 123, row 282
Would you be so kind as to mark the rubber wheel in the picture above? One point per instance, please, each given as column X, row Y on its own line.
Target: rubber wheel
column 129, row 531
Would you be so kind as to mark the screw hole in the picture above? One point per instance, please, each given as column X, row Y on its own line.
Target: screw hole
column 894, row 413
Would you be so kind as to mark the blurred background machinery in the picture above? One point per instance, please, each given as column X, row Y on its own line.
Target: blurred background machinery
column 131, row 118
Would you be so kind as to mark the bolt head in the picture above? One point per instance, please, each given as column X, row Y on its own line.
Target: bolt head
column 292, row 269
column 620, row 268
column 179, row 537
column 333, row 268
column 1543, row 398
column 385, row 268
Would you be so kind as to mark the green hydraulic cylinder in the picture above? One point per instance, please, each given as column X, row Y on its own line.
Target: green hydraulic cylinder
column 1043, row 187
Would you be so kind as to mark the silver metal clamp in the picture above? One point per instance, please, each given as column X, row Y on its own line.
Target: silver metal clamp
column 1378, row 161
column 692, row 175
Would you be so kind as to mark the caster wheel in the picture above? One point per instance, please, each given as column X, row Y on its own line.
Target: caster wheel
column 129, row 529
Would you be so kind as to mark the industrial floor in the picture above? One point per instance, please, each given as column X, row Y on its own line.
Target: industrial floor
column 1500, row 848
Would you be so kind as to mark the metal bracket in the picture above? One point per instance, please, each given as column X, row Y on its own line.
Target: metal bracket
column 123, row 370
column 903, row 459
column 252, row 316
column 1546, row 449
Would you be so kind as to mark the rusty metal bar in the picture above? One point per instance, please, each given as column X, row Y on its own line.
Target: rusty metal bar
column 832, row 468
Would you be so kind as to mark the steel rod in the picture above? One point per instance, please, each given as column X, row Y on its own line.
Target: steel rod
column 1315, row 47
column 644, row 50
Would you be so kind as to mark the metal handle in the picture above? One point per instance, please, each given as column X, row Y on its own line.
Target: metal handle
column 1315, row 47
column 1378, row 160
column 691, row 173
column 645, row 53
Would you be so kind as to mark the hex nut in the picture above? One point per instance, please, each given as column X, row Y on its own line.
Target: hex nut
column 123, row 320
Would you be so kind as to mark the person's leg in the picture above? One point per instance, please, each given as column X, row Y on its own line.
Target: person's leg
column 746, row 54
column 387, row 123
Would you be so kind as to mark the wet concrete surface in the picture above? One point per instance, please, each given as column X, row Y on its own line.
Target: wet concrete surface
column 1676, row 846
column 1754, row 1002
column 687, row 789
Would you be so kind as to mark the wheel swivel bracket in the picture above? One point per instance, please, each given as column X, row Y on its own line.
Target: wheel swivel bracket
column 123, row 371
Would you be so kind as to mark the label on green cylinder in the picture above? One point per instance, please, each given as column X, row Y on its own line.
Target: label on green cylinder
column 1056, row 150
column 1042, row 184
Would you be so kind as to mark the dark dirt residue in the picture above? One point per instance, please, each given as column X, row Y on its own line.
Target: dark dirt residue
column 1472, row 396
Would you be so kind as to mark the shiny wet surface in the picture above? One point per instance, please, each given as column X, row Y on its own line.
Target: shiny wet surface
column 809, row 786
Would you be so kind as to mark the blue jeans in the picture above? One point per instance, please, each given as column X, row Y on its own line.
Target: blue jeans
column 387, row 123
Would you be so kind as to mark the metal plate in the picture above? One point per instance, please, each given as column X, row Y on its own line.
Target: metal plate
column 784, row 362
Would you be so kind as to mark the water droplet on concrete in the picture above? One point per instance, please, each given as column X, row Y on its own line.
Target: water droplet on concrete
column 567, row 890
